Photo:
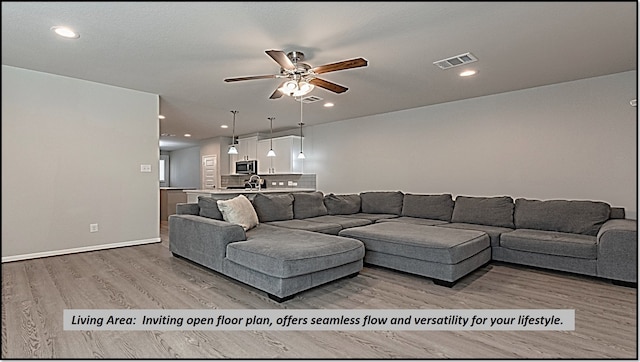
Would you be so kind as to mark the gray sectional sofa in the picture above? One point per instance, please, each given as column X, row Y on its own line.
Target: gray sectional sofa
column 307, row 239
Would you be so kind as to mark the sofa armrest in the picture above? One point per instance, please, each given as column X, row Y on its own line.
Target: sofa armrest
column 187, row 208
column 617, row 243
column 202, row 240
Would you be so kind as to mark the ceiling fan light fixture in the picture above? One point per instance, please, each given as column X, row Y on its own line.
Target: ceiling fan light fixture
column 296, row 88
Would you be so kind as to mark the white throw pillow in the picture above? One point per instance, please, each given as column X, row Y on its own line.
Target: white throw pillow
column 239, row 210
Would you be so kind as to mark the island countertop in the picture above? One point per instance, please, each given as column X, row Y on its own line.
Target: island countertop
column 192, row 195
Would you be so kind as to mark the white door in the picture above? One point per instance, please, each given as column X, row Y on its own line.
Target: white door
column 209, row 171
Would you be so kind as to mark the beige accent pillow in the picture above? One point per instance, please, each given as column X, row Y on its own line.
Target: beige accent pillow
column 239, row 210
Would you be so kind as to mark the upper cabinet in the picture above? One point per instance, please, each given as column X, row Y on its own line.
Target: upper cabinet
column 247, row 148
column 286, row 160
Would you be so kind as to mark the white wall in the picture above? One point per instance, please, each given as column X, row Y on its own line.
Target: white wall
column 71, row 156
column 574, row 140
column 185, row 167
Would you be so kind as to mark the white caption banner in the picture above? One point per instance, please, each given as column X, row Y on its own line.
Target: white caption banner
column 320, row 319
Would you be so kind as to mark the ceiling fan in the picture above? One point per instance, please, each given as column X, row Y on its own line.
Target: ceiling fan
column 301, row 77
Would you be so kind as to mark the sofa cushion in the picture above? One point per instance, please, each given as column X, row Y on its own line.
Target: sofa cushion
column 299, row 224
column 382, row 202
column 372, row 217
column 421, row 242
column 342, row 204
column 414, row 220
column 273, row 207
column 436, row 207
column 209, row 205
column 494, row 232
column 286, row 253
column 568, row 216
column 493, row 211
column 551, row 243
column 308, row 204
column 239, row 210
column 344, row 221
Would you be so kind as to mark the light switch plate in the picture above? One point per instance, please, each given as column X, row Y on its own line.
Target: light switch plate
column 145, row 168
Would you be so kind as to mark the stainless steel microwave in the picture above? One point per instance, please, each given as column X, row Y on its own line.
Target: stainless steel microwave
column 247, row 167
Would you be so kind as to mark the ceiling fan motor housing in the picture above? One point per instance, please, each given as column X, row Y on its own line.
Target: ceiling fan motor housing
column 295, row 56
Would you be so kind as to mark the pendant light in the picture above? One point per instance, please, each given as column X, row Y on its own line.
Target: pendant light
column 271, row 153
column 301, row 154
column 233, row 150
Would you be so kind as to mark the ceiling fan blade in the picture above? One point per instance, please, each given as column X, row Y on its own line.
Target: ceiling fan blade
column 251, row 77
column 336, row 88
column 345, row 64
column 281, row 58
column 276, row 93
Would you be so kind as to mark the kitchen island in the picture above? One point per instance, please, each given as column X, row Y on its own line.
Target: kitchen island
column 192, row 195
column 169, row 197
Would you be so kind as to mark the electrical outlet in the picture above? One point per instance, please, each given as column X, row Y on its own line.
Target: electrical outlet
column 289, row 183
column 273, row 183
column 93, row 228
column 280, row 183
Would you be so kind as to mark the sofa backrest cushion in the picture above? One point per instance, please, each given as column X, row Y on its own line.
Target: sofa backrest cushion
column 209, row 206
column 273, row 207
column 342, row 204
column 382, row 202
column 568, row 216
column 492, row 211
column 436, row 207
column 617, row 213
column 308, row 204
column 238, row 210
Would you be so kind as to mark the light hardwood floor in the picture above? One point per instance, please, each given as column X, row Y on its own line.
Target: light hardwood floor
column 35, row 293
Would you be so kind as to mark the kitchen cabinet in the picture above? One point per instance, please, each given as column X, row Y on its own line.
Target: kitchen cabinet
column 247, row 150
column 286, row 160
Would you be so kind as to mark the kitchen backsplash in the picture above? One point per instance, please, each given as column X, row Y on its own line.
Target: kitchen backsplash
column 282, row 181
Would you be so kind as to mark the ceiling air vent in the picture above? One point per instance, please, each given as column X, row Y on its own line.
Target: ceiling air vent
column 456, row 61
column 311, row 99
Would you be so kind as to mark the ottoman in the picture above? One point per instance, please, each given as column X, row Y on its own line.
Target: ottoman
column 443, row 254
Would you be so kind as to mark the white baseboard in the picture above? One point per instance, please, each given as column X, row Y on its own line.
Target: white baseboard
column 79, row 250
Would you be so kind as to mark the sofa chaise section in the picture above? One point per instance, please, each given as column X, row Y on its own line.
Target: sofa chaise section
column 280, row 261
column 284, row 262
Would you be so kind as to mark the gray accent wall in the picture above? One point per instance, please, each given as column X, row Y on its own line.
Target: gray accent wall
column 185, row 167
column 71, row 157
column 574, row 140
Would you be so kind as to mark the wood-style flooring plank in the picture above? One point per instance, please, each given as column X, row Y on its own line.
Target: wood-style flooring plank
column 36, row 292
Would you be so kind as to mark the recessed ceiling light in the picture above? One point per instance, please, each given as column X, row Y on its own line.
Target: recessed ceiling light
column 160, row 116
column 187, row 134
column 468, row 73
column 328, row 104
column 65, row 32
column 224, row 126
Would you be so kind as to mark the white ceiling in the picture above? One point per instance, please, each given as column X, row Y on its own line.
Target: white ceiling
column 182, row 51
